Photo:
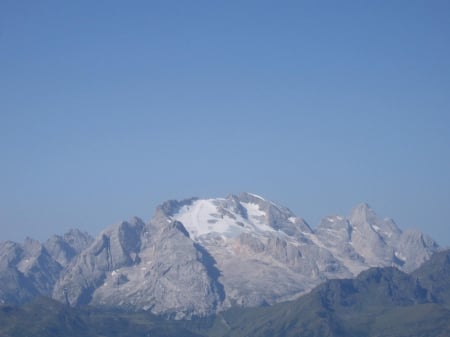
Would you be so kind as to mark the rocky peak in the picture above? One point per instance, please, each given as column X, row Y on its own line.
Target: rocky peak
column 250, row 198
column 77, row 239
column 362, row 214
column 32, row 247
column 413, row 248
column 365, row 221
column 417, row 238
column 335, row 229
column 64, row 248
column 10, row 254
column 170, row 207
column 277, row 217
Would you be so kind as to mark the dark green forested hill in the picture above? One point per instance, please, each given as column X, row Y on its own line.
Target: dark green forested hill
column 47, row 318
column 380, row 302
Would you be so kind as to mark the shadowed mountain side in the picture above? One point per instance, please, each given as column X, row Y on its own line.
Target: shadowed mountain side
column 434, row 274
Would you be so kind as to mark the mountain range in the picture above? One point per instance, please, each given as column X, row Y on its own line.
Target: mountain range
column 198, row 257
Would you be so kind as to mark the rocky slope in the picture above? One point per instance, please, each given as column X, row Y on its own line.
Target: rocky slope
column 32, row 268
column 199, row 256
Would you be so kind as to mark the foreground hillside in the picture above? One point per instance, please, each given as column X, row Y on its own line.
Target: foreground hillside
column 379, row 302
column 45, row 317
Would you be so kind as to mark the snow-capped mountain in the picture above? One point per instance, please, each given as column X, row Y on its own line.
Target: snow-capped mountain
column 233, row 216
column 199, row 256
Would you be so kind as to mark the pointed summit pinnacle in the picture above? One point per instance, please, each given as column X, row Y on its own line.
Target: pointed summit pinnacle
column 362, row 213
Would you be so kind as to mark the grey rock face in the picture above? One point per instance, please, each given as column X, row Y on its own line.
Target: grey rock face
column 38, row 266
column 64, row 248
column 414, row 248
column 156, row 268
column 372, row 236
column 26, row 271
column 31, row 269
column 365, row 240
column 14, row 286
column 116, row 247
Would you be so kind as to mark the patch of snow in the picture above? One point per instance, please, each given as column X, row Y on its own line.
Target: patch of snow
column 256, row 196
column 197, row 217
column 253, row 210
column 262, row 199
column 334, row 218
column 292, row 219
column 378, row 230
column 399, row 256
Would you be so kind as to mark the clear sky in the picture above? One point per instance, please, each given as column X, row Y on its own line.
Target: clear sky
column 108, row 108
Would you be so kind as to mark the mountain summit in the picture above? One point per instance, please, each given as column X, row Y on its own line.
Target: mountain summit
column 198, row 256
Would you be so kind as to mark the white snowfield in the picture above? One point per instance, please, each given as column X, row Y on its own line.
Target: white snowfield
column 203, row 217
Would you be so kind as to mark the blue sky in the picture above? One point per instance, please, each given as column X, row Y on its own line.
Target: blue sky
column 108, row 108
